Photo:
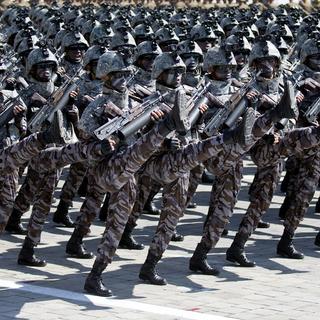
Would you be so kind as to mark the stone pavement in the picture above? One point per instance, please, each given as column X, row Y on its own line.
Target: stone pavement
column 276, row 289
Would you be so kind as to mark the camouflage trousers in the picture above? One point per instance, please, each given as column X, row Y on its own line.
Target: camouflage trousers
column 294, row 142
column 77, row 171
column 301, row 188
column 11, row 158
column 194, row 181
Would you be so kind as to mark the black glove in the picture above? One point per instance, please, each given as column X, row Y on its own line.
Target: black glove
column 172, row 143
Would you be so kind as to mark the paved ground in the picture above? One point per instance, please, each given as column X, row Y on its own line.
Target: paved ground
column 276, row 289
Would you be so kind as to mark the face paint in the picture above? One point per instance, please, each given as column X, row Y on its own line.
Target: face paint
column 119, row 81
column 75, row 54
column 44, row 72
column 266, row 67
column 191, row 61
column 146, row 62
column 173, row 77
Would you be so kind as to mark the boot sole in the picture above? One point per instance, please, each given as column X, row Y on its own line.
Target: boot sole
column 285, row 255
column 230, row 259
column 196, row 270
column 90, row 291
column 147, row 280
column 130, row 248
column 24, row 263
column 74, row 255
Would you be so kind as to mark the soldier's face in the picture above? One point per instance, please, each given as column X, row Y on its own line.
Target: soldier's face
column 241, row 57
column 221, row 73
column 313, row 62
column 146, row 62
column 266, row 67
column 43, row 72
column 206, row 44
column 172, row 78
column 119, row 80
column 75, row 53
column 191, row 61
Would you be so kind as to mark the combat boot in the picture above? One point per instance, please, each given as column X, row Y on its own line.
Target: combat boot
column 177, row 237
column 286, row 248
column 104, row 209
column 284, row 183
column 14, row 224
column 287, row 106
column 128, row 242
column 317, row 240
column 317, row 208
column 149, row 273
column 75, row 247
column 207, row 177
column 94, row 284
column 236, row 251
column 61, row 216
column 55, row 133
column 198, row 261
column 150, row 208
column 27, row 257
column 263, row 225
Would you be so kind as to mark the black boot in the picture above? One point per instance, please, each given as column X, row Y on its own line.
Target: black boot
column 149, row 273
column 263, row 225
column 207, row 177
column 284, row 208
column 94, row 284
column 27, row 257
column 236, row 252
column 14, row 224
column 284, row 183
column 104, row 209
column 150, row 208
column 198, row 261
column 128, row 242
column 75, row 247
column 317, row 208
column 224, row 232
column 317, row 240
column 61, row 216
column 177, row 237
column 286, row 248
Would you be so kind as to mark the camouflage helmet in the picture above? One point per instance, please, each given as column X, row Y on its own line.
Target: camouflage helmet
column 199, row 32
column 58, row 38
column 218, row 57
column 39, row 55
column 309, row 47
column 166, row 34
column 189, row 46
column 73, row 38
column 146, row 48
column 228, row 23
column 102, row 33
column 27, row 44
column 237, row 43
column 143, row 31
column 111, row 61
column 166, row 61
column 120, row 39
column 264, row 49
column 93, row 53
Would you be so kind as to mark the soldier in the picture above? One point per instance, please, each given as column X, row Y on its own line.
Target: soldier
column 89, row 88
column 301, row 141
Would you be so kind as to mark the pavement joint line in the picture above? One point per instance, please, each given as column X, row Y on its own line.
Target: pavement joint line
column 110, row 302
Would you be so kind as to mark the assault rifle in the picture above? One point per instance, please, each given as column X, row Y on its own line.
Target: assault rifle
column 313, row 111
column 130, row 122
column 57, row 101
column 7, row 114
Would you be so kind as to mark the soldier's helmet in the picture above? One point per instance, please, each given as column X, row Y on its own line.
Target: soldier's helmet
column 199, row 32
column 93, row 53
column 111, row 61
column 264, row 49
column 73, row 38
column 101, row 34
column 27, row 44
column 119, row 40
column 310, row 47
column 143, row 32
column 166, row 34
column 166, row 61
column 236, row 43
column 147, row 48
column 218, row 57
column 188, row 47
column 40, row 55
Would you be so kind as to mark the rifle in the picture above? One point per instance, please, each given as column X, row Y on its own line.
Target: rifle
column 130, row 122
column 313, row 111
column 57, row 101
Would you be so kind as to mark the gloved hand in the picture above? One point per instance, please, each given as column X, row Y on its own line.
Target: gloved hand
column 73, row 114
column 172, row 144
